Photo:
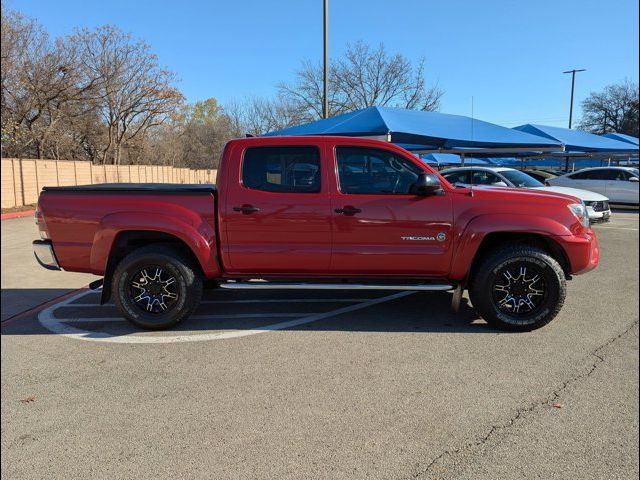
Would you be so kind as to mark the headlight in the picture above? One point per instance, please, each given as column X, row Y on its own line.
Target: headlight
column 579, row 210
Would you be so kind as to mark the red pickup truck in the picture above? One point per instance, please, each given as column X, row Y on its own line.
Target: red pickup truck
column 319, row 213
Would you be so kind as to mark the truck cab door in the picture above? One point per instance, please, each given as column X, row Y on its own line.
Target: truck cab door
column 380, row 229
column 276, row 214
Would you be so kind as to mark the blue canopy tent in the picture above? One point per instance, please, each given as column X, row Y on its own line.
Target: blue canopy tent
column 578, row 140
column 623, row 138
column 579, row 143
column 429, row 132
column 442, row 159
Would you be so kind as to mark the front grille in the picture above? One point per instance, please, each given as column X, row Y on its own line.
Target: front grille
column 599, row 206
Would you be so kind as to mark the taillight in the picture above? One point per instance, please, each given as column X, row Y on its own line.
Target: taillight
column 42, row 225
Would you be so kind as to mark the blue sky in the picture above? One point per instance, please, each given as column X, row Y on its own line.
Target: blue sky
column 508, row 55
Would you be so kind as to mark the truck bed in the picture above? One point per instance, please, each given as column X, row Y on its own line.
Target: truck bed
column 182, row 212
column 158, row 188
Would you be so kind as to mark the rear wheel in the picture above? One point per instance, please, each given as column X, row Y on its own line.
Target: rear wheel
column 518, row 288
column 156, row 287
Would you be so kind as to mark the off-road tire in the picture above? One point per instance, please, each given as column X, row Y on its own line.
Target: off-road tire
column 491, row 272
column 187, row 285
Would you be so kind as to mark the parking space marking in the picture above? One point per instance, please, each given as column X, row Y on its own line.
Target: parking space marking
column 616, row 228
column 193, row 317
column 62, row 327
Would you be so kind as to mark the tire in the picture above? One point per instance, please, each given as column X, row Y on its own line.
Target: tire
column 156, row 287
column 513, row 299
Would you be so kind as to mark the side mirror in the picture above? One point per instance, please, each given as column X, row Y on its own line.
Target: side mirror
column 427, row 184
column 500, row 184
column 634, row 179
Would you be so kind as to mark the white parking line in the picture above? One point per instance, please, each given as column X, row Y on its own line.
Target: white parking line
column 193, row 317
column 616, row 228
column 61, row 327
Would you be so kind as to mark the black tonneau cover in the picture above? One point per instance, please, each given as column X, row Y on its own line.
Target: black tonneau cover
column 152, row 188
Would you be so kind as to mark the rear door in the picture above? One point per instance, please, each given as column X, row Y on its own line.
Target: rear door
column 277, row 217
column 620, row 188
column 378, row 227
column 594, row 180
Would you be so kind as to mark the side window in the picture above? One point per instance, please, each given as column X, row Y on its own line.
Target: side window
column 282, row 169
column 587, row 175
column 460, row 178
column 374, row 171
column 617, row 175
column 480, row 177
column 600, row 175
column 578, row 176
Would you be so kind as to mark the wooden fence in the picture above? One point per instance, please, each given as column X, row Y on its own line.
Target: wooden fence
column 22, row 179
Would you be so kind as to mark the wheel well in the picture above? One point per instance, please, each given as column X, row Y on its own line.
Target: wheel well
column 127, row 242
column 494, row 240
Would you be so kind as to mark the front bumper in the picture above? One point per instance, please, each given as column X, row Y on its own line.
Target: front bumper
column 43, row 251
column 596, row 216
column 583, row 251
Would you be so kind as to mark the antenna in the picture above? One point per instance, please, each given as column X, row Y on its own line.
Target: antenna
column 471, row 172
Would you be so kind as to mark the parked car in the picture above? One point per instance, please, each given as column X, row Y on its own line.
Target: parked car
column 541, row 175
column 597, row 205
column 363, row 214
column 620, row 184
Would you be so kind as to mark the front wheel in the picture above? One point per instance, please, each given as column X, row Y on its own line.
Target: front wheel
column 157, row 286
column 518, row 288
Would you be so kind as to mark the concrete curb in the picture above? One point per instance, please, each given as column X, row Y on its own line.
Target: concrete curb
column 26, row 213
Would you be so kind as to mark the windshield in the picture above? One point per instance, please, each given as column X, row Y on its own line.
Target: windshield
column 521, row 179
column 634, row 172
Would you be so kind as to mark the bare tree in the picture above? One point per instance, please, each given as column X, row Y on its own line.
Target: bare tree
column 256, row 116
column 34, row 81
column 364, row 77
column 132, row 93
column 42, row 89
column 614, row 109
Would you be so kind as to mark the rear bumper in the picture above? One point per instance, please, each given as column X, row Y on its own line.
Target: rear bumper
column 583, row 251
column 43, row 251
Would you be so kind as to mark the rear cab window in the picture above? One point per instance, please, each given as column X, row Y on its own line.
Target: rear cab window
column 287, row 169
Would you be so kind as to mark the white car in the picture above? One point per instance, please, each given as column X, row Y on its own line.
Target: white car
column 597, row 204
column 620, row 184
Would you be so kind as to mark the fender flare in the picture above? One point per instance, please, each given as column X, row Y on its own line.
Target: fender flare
column 470, row 239
column 197, row 235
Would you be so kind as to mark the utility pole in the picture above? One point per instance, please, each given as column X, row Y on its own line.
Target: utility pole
column 325, row 87
column 573, row 87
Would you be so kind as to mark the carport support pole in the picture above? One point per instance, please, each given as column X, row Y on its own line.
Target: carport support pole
column 462, row 160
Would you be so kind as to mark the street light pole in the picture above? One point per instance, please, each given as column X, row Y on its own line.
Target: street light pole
column 573, row 87
column 325, row 87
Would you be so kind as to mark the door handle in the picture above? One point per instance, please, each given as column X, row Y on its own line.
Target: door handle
column 246, row 209
column 348, row 210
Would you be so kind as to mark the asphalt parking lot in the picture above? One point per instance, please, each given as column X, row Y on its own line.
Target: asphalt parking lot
column 320, row 384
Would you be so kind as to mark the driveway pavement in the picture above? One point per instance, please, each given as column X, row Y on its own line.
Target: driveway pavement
column 328, row 385
column 24, row 283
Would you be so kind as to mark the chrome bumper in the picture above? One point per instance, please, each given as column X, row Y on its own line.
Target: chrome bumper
column 43, row 251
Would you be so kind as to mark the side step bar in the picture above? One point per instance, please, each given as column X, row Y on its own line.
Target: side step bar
column 334, row 286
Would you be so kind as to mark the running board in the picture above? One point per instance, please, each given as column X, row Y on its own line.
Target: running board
column 334, row 286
